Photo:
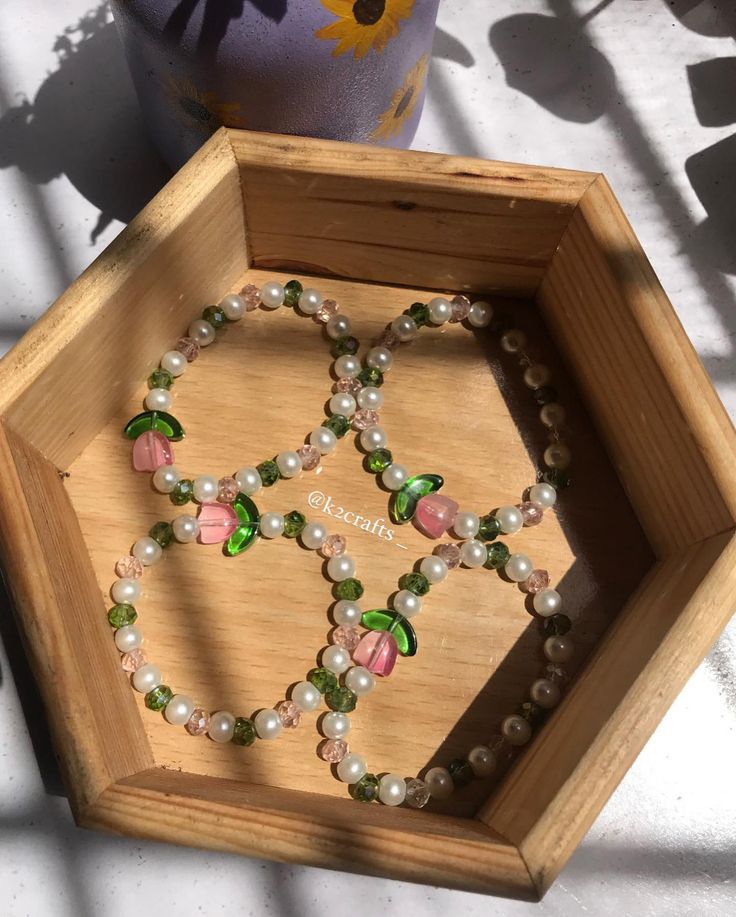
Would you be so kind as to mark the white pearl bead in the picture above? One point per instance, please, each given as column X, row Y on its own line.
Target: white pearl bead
column 558, row 455
column 147, row 550
column 221, row 726
column 439, row 782
column 174, row 362
column 558, row 649
column 324, row 439
column 128, row 637
column 310, row 301
column 482, row 760
column 272, row 294
column 338, row 326
column 272, row 525
column 545, row 693
column 480, row 314
column 440, row 310
column 407, row 604
column 516, row 730
column 158, row 399
column 306, row 696
column 248, row 480
column 380, row 358
column 513, row 341
column 473, row 553
column 340, row 568
column 179, row 709
column 510, row 519
column 147, row 677
column 537, row 375
column 336, row 659
column 202, row 332
column 434, row 568
column 373, row 438
column 405, row 328
column 552, row 415
column 466, row 525
column 313, row 535
column 370, row 397
column 543, row 495
column 268, row 724
column 165, row 478
column 233, row 306
column 392, row 789
column 125, row 590
column 335, row 725
column 186, row 529
column 518, row 567
column 205, row 488
column 347, row 612
column 347, row 366
column 289, row 463
column 394, row 477
column 342, row 403
column 352, row 768
column 359, row 680
column 547, row 602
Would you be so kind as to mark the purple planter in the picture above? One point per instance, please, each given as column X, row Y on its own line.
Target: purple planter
column 342, row 69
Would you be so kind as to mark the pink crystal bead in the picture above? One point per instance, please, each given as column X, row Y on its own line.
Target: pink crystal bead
column 289, row 714
column 346, row 637
column 435, row 514
column 536, row 581
column 531, row 513
column 351, row 386
column 327, row 310
column 377, row 651
column 217, row 522
column 309, row 455
column 151, row 450
column 189, row 347
column 388, row 338
column 450, row 553
column 460, row 308
column 133, row 660
column 227, row 489
column 365, row 418
column 334, row 545
column 251, row 296
column 198, row 723
column 333, row 750
column 129, row 567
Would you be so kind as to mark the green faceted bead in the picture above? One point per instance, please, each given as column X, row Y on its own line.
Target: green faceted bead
column 366, row 789
column 498, row 554
column 160, row 378
column 419, row 312
column 345, row 345
column 269, row 472
column 163, row 533
column 379, row 460
column 350, row 589
column 557, row 625
column 159, row 697
column 122, row 614
column 244, row 731
column 338, row 423
column 183, row 492
column 489, row 529
column 558, row 478
column 294, row 523
column 370, row 376
column 323, row 679
column 215, row 316
column 415, row 582
column 292, row 291
column 341, row 699
column 460, row 771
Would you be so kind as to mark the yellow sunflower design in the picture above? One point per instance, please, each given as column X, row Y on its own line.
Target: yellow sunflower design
column 403, row 102
column 364, row 24
column 203, row 111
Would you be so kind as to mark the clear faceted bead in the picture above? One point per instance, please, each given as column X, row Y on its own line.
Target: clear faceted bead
column 189, row 347
column 531, row 513
column 556, row 673
column 502, row 750
column 450, row 553
column 417, row 793
column 460, row 308
column 227, row 489
column 251, row 296
column 365, row 418
column 536, row 581
column 289, row 713
column 346, row 637
column 388, row 338
column 334, row 545
column 327, row 310
column 309, row 455
column 333, row 750
column 129, row 567
column 133, row 660
column 349, row 385
column 198, row 723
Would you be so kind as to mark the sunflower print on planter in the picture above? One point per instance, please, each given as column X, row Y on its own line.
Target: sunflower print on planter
column 364, row 24
column 202, row 111
column 403, row 102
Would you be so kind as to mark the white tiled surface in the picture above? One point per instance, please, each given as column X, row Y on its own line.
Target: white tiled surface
column 602, row 87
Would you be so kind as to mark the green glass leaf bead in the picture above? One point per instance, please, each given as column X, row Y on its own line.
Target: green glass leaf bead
column 370, row 376
column 247, row 531
column 350, row 589
column 292, row 291
column 122, row 614
column 159, row 697
column 215, row 316
column 489, row 528
column 294, row 523
column 404, row 503
column 244, row 731
column 323, row 679
column 338, row 423
column 415, row 582
column 345, row 345
column 366, row 789
column 460, row 771
column 183, row 492
column 544, row 395
column 163, row 533
column 154, row 420
column 498, row 554
column 341, row 699
column 394, row 623
column 419, row 311
column 558, row 478
column 557, row 625
column 269, row 472
column 379, row 460
column 160, row 378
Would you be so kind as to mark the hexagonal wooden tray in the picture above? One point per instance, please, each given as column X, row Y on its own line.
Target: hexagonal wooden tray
column 642, row 545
